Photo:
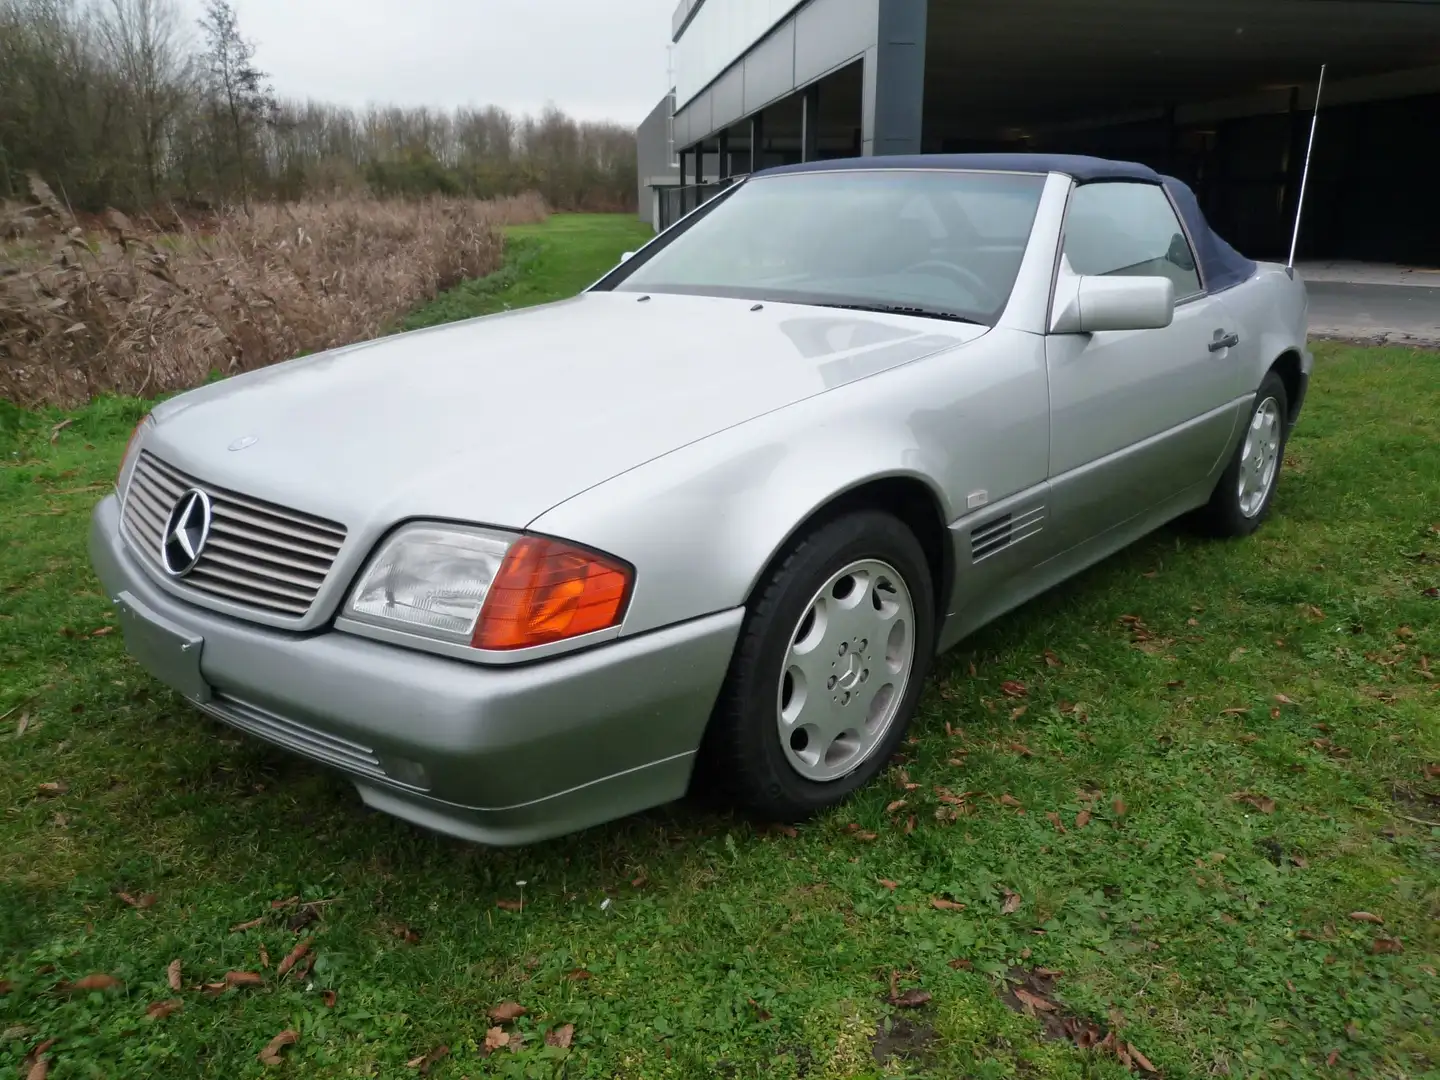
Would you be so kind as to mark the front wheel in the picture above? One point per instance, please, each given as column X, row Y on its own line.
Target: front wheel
column 828, row 670
column 1241, row 500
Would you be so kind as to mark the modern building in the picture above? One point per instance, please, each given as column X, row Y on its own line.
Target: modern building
column 1217, row 92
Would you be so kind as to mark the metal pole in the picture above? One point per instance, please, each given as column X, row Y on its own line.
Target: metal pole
column 1305, row 175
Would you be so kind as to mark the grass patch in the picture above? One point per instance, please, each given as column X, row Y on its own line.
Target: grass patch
column 546, row 262
column 1135, row 704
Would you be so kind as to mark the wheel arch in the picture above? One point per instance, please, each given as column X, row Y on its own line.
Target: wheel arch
column 1289, row 367
column 905, row 496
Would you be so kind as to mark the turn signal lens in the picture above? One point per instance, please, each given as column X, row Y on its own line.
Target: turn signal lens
column 548, row 591
column 129, row 446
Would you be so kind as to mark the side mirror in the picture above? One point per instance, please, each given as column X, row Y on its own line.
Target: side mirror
column 1088, row 305
column 626, row 256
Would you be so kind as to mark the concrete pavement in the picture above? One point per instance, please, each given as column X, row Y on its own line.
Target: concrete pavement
column 1395, row 305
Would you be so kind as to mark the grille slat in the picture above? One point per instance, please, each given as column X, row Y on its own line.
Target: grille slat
column 1005, row 531
column 259, row 555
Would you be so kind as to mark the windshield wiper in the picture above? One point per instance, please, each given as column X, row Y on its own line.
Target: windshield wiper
column 906, row 309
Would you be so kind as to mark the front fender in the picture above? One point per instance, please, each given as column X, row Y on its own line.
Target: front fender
column 701, row 523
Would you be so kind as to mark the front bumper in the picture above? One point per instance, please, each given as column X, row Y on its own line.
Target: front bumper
column 496, row 755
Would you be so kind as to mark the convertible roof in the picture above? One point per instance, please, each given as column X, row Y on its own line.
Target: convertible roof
column 1221, row 265
column 1082, row 169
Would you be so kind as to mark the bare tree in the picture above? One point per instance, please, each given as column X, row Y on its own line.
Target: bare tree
column 240, row 98
column 146, row 47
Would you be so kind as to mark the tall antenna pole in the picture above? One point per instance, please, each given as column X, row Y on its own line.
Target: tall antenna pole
column 1305, row 176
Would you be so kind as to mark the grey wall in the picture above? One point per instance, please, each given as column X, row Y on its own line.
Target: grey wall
column 818, row 38
column 653, row 153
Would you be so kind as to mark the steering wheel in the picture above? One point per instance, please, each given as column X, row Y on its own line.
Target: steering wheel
column 977, row 285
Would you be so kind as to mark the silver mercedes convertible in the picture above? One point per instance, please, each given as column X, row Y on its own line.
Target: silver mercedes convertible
column 716, row 515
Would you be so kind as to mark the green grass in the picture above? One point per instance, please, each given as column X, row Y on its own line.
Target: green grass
column 542, row 263
column 1215, row 937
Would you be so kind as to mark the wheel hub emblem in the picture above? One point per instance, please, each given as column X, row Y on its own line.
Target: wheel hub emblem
column 850, row 676
column 186, row 532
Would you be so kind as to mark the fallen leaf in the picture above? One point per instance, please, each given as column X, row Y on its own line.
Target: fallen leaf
column 102, row 631
column 1048, row 973
column 410, row 937
column 867, row 836
column 93, row 982
column 910, row 999
column 510, row 905
column 1034, row 1002
column 293, row 958
column 1066, row 707
column 243, row 978
column 1082, row 819
column 1022, row 749
column 1237, row 653
column 251, row 925
column 52, row 788
column 1332, row 1057
column 495, row 1039
column 6, row 986
column 40, row 1070
column 271, row 1054
column 328, row 996
column 1263, row 803
column 1140, row 1059
column 1405, row 632
column 289, row 901
column 161, row 1009
column 1283, row 700
column 172, row 975
column 1017, row 713
column 1433, row 592
column 961, row 964
column 1051, row 660
column 891, row 885
column 579, row 975
column 1011, row 688
column 506, row 1011
column 264, row 957
column 896, row 805
column 1386, row 945
column 1012, row 903
column 1352, row 1030
column 424, row 1061
column 1233, row 712
column 1009, row 800
column 910, row 825
column 1365, row 916
column 1118, row 806
column 941, row 904
column 562, row 1035
column 61, row 426
column 1054, row 819
column 1300, row 861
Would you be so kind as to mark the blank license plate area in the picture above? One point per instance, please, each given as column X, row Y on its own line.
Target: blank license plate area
column 169, row 652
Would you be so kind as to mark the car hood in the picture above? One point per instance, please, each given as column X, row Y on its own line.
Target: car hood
column 496, row 420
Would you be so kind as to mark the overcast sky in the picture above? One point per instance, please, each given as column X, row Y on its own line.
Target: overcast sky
column 596, row 59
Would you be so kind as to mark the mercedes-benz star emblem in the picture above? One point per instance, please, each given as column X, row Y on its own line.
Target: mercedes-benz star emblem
column 186, row 532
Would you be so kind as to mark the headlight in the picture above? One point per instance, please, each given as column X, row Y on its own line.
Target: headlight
column 489, row 590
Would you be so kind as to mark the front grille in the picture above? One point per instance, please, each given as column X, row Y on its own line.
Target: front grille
column 306, row 741
column 260, row 555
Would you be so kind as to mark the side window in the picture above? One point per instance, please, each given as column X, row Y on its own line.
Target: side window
column 1128, row 230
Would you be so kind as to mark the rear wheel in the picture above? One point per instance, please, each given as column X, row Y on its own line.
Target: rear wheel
column 1241, row 500
column 828, row 670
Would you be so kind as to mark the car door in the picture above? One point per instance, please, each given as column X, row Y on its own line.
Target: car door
column 1139, row 416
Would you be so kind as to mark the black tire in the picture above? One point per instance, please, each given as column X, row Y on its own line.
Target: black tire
column 1223, row 515
column 743, row 760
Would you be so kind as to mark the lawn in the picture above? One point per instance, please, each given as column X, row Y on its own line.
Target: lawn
column 1153, row 804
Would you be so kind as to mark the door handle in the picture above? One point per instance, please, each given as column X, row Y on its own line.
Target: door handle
column 1224, row 341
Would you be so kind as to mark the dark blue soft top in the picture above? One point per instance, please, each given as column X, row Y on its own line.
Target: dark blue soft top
column 1221, row 265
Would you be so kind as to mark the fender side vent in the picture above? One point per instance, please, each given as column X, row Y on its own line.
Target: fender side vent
column 1005, row 531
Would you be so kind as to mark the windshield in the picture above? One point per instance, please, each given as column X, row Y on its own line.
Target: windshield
column 939, row 243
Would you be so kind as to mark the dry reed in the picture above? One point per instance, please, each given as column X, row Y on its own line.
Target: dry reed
column 133, row 310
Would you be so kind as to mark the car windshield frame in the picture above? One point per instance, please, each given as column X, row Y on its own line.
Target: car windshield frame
column 934, row 207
